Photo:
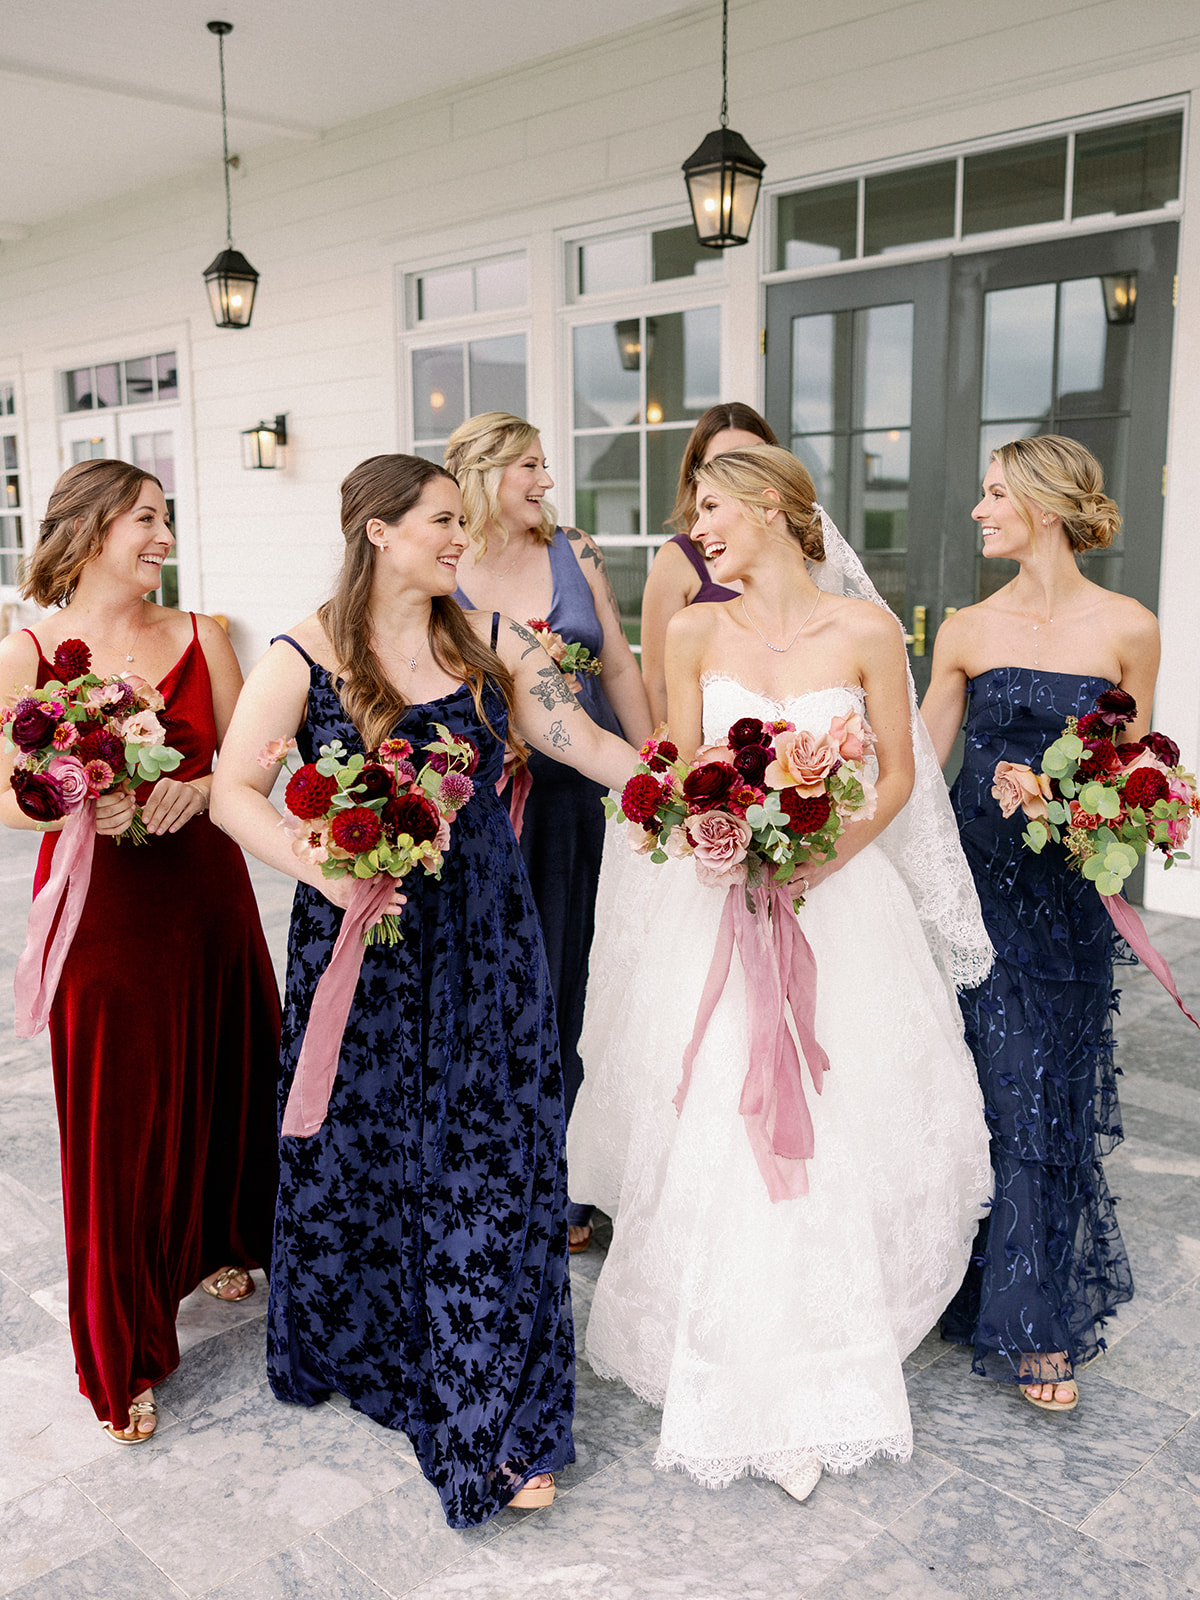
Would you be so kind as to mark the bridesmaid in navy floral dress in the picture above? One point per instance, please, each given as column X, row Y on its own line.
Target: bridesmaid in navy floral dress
column 420, row 1267
column 1049, row 1263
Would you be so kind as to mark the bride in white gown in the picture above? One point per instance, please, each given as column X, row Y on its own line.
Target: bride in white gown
column 772, row 1334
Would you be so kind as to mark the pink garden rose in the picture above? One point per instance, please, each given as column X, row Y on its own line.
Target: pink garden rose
column 72, row 780
column 720, row 843
column 678, row 844
column 850, row 736
column 1178, row 828
column 275, row 752
column 1017, row 786
column 441, row 839
column 144, row 728
column 802, row 761
column 148, row 697
column 640, row 840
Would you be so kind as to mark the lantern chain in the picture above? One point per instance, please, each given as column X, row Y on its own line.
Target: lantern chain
column 724, row 63
column 225, row 144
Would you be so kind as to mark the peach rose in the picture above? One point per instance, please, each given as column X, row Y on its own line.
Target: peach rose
column 1017, row 786
column 148, row 697
column 713, row 752
column 640, row 841
column 310, row 840
column 802, row 761
column 678, row 844
column 275, row 752
column 850, row 736
column 144, row 728
column 720, row 843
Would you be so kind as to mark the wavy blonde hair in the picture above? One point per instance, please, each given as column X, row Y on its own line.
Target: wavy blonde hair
column 1059, row 475
column 746, row 475
column 730, row 414
column 387, row 487
column 83, row 504
column 478, row 455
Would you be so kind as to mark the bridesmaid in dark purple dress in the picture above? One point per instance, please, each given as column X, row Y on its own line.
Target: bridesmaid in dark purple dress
column 679, row 576
column 522, row 564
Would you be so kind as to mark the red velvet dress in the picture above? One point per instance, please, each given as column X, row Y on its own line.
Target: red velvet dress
column 165, row 1040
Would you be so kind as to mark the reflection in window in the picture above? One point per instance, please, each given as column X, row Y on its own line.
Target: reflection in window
column 817, row 226
column 142, row 381
column 1018, row 351
column 654, row 255
column 155, row 453
column 909, row 207
column 1014, row 188
column 452, row 382
column 501, row 284
column 1133, row 167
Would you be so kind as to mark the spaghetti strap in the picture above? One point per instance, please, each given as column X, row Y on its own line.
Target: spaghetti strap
column 195, row 627
column 38, row 644
column 287, row 639
column 495, row 627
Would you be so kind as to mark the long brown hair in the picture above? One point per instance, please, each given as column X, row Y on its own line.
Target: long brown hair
column 83, row 504
column 387, row 487
column 717, row 419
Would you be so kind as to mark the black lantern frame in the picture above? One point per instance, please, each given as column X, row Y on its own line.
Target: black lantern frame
column 262, row 446
column 229, row 278
column 723, row 174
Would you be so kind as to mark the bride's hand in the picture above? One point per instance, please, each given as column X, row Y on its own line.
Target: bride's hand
column 814, row 874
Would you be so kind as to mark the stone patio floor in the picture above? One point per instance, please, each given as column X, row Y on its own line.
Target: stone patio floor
column 242, row 1498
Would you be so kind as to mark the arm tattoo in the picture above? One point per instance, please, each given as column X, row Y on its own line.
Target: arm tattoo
column 526, row 637
column 552, row 689
column 590, row 551
column 559, row 737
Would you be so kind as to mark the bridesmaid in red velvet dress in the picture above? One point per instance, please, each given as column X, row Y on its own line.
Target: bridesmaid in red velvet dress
column 165, row 1029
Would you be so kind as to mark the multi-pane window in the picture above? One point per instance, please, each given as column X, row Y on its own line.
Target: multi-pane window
column 501, row 284
column 155, row 453
column 654, row 255
column 1110, row 171
column 12, row 522
column 143, row 381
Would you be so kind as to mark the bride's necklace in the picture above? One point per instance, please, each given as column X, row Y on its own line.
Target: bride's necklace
column 128, row 654
column 781, row 649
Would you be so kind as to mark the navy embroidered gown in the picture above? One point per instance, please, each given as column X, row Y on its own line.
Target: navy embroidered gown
column 1049, row 1263
column 420, row 1263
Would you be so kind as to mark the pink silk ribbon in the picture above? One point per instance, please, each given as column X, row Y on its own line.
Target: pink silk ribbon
column 316, row 1070
column 781, row 975
column 1129, row 925
column 522, row 783
column 40, row 967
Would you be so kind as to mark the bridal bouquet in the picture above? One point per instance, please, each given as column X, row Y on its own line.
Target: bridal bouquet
column 763, row 805
column 572, row 660
column 366, row 816
column 85, row 736
column 1107, row 803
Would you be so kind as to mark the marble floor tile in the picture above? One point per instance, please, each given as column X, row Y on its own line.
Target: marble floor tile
column 22, row 1322
column 225, row 1364
column 1145, row 1176
column 393, row 1438
column 1064, row 1465
column 610, row 1421
column 47, row 1428
column 965, row 1541
column 931, row 1348
column 1156, row 1519
column 884, row 1490
column 40, row 1265
column 1161, row 1358
column 248, row 1478
column 55, row 1300
column 42, row 1530
column 1154, row 1127
column 114, row 1571
column 200, row 1317
column 1163, row 1260
column 635, row 1534
column 1174, row 1096
column 29, row 1129
column 1181, row 1213
column 310, row 1570
column 401, row 1538
column 25, row 1220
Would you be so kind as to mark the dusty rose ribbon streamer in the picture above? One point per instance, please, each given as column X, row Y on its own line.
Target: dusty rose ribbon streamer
column 41, row 963
column 522, row 783
column 308, row 1098
column 781, row 974
column 1129, row 925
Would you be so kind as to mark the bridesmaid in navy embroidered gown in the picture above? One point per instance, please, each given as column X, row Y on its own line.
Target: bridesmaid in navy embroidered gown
column 1049, row 1263
column 679, row 574
column 420, row 1267
column 519, row 562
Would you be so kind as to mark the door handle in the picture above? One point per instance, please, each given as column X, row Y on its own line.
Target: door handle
column 917, row 637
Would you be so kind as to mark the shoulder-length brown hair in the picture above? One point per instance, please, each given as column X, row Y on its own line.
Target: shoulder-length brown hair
column 388, row 487
column 717, row 419
column 83, row 504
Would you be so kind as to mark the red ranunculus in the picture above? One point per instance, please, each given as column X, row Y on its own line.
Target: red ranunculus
column 1129, row 753
column 1144, row 787
column 374, row 782
column 706, row 787
column 356, row 830
column 1165, row 749
column 1093, row 726
column 1099, row 758
column 33, row 724
column 38, row 795
column 72, row 659
column 100, row 745
column 806, row 813
column 309, row 792
column 751, row 761
column 413, row 814
column 641, row 798
column 747, row 731
column 1116, row 707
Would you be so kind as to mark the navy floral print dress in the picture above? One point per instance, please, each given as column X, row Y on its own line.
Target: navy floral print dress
column 1049, row 1263
column 420, row 1262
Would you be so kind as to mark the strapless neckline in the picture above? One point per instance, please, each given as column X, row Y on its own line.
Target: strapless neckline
column 708, row 679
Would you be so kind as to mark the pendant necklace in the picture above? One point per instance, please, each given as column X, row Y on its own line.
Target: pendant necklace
column 1036, row 641
column 781, row 649
column 128, row 654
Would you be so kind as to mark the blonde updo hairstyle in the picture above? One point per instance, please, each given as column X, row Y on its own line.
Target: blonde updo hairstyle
column 83, row 504
column 478, row 454
column 748, row 475
column 1058, row 475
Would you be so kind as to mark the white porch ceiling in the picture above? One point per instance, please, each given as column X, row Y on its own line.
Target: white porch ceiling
column 100, row 97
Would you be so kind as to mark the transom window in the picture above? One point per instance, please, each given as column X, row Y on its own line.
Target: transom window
column 498, row 284
column 143, row 381
column 629, row 260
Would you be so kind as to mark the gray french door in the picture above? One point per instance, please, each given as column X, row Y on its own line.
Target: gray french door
column 894, row 385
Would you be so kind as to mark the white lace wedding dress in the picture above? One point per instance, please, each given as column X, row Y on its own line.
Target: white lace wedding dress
column 770, row 1332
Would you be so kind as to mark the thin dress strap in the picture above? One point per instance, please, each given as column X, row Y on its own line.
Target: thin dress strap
column 195, row 628
column 495, row 628
column 287, row 639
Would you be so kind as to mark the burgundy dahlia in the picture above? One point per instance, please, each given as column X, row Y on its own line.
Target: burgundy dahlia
column 1144, row 787
column 1165, row 749
column 38, row 795
column 72, row 659
column 413, row 814
column 659, row 753
column 309, row 792
column 747, row 731
column 100, row 745
column 356, row 830
column 806, row 813
column 706, row 786
column 752, row 761
column 33, row 724
column 1100, row 757
column 1116, row 707
column 641, row 798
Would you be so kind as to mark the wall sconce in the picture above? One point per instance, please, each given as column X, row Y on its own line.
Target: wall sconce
column 632, row 343
column 723, row 174
column 263, row 446
column 1120, row 297
column 229, row 277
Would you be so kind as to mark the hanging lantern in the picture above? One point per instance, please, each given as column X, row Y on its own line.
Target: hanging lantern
column 229, row 278
column 723, row 174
